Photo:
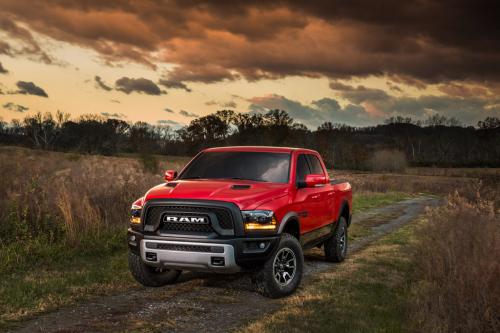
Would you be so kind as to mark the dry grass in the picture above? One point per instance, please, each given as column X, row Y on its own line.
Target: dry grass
column 487, row 183
column 66, row 196
column 454, row 172
column 457, row 268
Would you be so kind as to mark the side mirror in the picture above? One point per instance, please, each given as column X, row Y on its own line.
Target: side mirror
column 170, row 175
column 315, row 179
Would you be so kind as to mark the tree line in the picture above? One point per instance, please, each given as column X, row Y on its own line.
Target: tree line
column 438, row 141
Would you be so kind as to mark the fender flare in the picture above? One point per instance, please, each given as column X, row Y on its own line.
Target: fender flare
column 290, row 216
column 345, row 205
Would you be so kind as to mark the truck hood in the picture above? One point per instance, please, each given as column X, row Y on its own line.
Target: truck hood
column 246, row 194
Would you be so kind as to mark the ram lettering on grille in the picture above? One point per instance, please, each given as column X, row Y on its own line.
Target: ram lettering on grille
column 185, row 219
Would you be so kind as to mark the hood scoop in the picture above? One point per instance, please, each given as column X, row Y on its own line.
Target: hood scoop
column 240, row 187
column 171, row 184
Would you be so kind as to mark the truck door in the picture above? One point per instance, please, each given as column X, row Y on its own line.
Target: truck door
column 308, row 201
column 326, row 200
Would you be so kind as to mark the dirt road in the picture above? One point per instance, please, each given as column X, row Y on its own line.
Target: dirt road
column 208, row 303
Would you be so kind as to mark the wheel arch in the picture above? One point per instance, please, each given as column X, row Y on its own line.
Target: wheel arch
column 290, row 224
column 345, row 212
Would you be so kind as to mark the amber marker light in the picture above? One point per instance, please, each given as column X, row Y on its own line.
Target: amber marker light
column 255, row 220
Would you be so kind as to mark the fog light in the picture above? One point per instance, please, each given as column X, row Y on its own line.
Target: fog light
column 218, row 261
column 262, row 245
column 132, row 238
column 151, row 256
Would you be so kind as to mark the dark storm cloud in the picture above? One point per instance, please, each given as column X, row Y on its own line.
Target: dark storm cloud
column 15, row 107
column 228, row 104
column 466, row 102
column 374, row 111
column 359, row 94
column 167, row 122
column 28, row 44
column 462, row 90
column 468, row 110
column 188, row 114
column 29, row 88
column 100, row 83
column 412, row 42
column 140, row 85
column 320, row 111
column 2, row 69
column 113, row 115
column 394, row 87
column 5, row 48
column 171, row 84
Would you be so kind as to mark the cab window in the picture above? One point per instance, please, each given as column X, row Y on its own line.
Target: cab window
column 315, row 164
column 302, row 169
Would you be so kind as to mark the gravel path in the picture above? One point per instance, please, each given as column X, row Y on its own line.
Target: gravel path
column 204, row 302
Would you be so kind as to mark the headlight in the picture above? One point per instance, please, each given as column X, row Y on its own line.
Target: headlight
column 135, row 214
column 259, row 220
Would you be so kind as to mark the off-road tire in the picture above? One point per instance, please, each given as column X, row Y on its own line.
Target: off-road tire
column 150, row 276
column 336, row 245
column 264, row 279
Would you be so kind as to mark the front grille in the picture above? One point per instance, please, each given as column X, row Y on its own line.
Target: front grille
column 180, row 247
column 155, row 213
column 187, row 227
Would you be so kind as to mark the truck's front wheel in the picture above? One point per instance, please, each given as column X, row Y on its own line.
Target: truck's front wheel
column 150, row 276
column 282, row 272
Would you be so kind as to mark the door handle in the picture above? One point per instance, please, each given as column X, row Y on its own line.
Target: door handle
column 331, row 194
column 315, row 197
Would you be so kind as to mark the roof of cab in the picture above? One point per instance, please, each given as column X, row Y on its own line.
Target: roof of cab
column 259, row 149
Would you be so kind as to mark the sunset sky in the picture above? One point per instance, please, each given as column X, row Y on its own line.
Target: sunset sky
column 167, row 62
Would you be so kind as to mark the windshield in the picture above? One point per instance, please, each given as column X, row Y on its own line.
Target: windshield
column 257, row 166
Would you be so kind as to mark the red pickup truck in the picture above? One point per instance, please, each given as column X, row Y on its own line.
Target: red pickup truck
column 240, row 209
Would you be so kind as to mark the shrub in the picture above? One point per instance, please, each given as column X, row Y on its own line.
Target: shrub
column 387, row 160
column 457, row 270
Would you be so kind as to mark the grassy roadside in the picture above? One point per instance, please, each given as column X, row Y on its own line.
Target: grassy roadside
column 369, row 200
column 368, row 293
column 38, row 278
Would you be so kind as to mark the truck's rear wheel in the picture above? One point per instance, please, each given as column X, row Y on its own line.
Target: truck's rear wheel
column 282, row 272
column 336, row 245
column 150, row 276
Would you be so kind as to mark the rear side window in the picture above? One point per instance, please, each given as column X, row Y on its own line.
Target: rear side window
column 315, row 164
column 302, row 168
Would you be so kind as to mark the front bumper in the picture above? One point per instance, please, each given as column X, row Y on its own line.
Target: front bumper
column 189, row 255
column 222, row 255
